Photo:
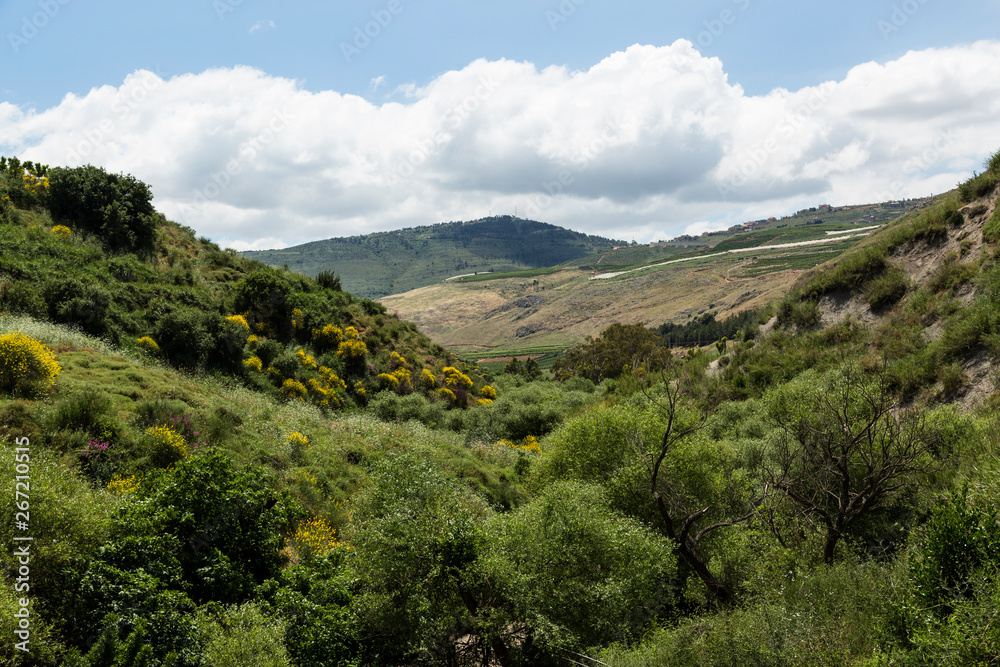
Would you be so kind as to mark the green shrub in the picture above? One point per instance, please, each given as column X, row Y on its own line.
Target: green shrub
column 413, row 534
column 887, row 289
column 574, row 573
column 960, row 538
column 26, row 366
column 228, row 521
column 978, row 186
column 269, row 349
column 991, row 231
column 184, row 337
column 950, row 274
column 80, row 302
column 22, row 297
column 803, row 314
column 242, row 635
column 328, row 280
column 315, row 603
column 88, row 411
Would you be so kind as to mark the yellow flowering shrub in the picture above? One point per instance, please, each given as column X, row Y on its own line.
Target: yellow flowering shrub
column 313, row 538
column 297, row 443
column 359, row 389
column 254, row 364
column 122, row 485
column 528, row 444
column 328, row 337
column 63, row 232
column 387, row 381
column 331, row 379
column 165, row 445
column 352, row 349
column 488, row 392
column 484, row 401
column 252, row 340
column 306, row 360
column 427, row 379
column 293, row 389
column 298, row 319
column 454, row 378
column 396, row 360
column 147, row 344
column 447, row 394
column 350, row 333
column 239, row 321
column 25, row 364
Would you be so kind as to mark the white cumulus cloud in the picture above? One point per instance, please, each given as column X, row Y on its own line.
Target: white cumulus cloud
column 647, row 143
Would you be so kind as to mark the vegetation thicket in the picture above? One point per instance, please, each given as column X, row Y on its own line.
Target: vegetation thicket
column 239, row 465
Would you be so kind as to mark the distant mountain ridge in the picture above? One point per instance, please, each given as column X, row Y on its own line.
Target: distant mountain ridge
column 375, row 265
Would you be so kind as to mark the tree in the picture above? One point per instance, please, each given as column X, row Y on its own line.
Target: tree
column 692, row 503
column 619, row 347
column 116, row 207
column 413, row 533
column 843, row 452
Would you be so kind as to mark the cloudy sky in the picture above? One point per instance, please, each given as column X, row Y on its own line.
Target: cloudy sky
column 263, row 124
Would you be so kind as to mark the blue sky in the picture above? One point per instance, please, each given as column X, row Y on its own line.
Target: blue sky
column 180, row 89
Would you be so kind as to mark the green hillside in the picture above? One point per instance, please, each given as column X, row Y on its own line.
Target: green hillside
column 375, row 265
column 819, row 487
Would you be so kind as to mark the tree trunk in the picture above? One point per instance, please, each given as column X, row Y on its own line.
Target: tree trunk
column 832, row 537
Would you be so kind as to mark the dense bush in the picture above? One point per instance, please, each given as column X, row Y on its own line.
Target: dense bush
column 26, row 366
column 22, row 297
column 83, row 303
column 117, row 208
column 227, row 521
column 570, row 573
